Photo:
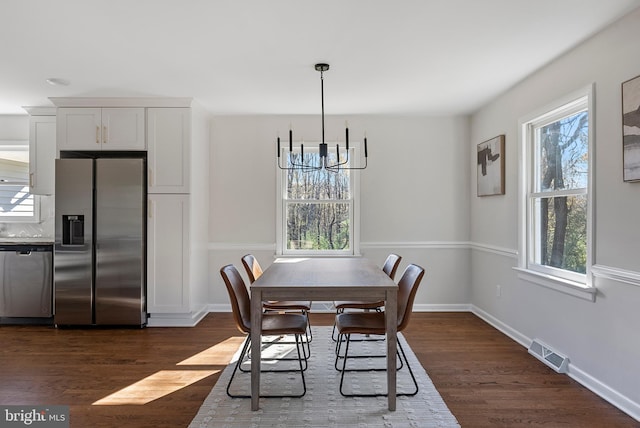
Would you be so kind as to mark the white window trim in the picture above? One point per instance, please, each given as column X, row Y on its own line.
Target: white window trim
column 21, row 145
column 281, row 251
column 575, row 285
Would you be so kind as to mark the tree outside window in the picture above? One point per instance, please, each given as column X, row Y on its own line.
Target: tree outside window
column 560, row 196
column 556, row 173
column 317, row 208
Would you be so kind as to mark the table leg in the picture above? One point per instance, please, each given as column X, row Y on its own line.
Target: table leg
column 256, row 338
column 391, row 317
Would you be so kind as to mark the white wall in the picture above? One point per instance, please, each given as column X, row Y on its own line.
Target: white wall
column 601, row 337
column 14, row 127
column 414, row 195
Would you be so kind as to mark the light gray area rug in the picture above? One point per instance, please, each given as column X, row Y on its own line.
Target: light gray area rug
column 323, row 406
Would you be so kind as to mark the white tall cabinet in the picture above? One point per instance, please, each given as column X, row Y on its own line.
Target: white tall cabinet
column 42, row 149
column 176, row 138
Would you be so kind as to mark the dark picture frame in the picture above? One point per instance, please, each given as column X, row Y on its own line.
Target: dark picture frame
column 490, row 167
column 631, row 129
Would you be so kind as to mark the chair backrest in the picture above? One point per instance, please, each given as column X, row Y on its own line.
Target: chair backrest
column 252, row 267
column 239, row 296
column 407, row 288
column 391, row 265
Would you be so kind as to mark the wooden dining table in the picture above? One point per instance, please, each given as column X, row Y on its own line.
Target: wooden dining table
column 324, row 279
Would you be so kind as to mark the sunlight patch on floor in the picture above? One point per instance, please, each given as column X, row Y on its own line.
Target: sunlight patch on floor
column 217, row 355
column 155, row 386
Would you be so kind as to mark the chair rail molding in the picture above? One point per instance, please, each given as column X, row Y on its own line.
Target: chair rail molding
column 616, row 274
column 494, row 249
column 464, row 245
column 240, row 246
column 426, row 245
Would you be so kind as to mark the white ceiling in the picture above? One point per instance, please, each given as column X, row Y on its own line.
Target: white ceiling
column 257, row 56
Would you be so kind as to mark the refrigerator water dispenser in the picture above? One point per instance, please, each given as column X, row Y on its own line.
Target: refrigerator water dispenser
column 73, row 230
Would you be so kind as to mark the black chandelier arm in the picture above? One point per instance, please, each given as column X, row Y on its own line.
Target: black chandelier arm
column 298, row 166
column 322, row 149
column 336, row 168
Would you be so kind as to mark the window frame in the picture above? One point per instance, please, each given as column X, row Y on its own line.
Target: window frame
column 20, row 145
column 573, row 283
column 354, row 208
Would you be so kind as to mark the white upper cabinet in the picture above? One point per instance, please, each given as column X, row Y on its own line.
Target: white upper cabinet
column 42, row 152
column 85, row 128
column 168, row 138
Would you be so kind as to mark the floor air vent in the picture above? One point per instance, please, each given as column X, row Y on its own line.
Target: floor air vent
column 551, row 358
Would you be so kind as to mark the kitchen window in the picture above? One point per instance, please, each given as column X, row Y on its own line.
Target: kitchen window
column 17, row 204
column 555, row 221
column 318, row 210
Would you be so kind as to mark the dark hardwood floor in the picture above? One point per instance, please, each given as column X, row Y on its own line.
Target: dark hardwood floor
column 485, row 378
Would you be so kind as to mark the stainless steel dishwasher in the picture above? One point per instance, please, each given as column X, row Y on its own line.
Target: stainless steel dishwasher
column 26, row 277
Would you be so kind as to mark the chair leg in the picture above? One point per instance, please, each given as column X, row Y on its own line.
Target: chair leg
column 400, row 354
column 247, row 341
column 415, row 383
column 304, row 353
column 245, row 347
column 333, row 332
column 338, row 356
column 309, row 331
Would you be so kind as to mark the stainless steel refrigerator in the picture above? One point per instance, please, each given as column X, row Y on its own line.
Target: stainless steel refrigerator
column 100, row 241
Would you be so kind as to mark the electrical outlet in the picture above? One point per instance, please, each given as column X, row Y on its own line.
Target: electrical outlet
column 498, row 290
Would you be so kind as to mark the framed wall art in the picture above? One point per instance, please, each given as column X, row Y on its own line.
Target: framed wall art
column 631, row 129
column 491, row 167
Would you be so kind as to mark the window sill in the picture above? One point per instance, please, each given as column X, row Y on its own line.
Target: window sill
column 571, row 288
column 313, row 255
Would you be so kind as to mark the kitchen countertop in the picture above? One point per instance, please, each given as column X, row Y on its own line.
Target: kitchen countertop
column 41, row 240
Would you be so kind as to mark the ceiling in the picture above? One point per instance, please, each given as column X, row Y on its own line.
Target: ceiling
column 433, row 57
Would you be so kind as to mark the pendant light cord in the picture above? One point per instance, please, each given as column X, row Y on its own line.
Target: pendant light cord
column 322, row 96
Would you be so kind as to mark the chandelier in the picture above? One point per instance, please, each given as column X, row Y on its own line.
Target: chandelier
column 323, row 148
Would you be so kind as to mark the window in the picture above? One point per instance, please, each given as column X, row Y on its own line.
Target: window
column 16, row 203
column 556, row 194
column 318, row 208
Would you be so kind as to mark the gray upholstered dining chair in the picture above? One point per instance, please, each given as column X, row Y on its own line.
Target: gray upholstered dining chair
column 373, row 323
column 254, row 270
column 275, row 324
column 389, row 267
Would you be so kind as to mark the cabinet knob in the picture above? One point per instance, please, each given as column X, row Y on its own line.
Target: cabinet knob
column 105, row 135
column 97, row 134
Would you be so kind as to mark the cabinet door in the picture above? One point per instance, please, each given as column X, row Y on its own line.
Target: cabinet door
column 79, row 128
column 168, row 137
column 42, row 153
column 168, row 254
column 123, row 129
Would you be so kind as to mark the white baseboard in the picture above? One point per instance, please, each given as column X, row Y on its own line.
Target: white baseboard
column 177, row 320
column 441, row 308
column 622, row 402
column 327, row 307
column 500, row 326
column 585, row 379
